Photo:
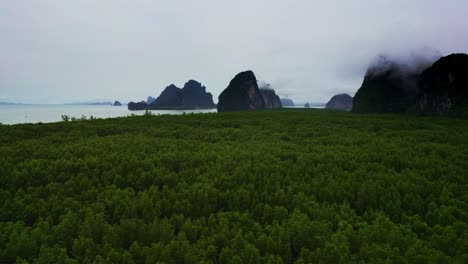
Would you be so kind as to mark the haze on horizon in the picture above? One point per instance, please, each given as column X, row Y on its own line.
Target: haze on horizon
column 60, row 51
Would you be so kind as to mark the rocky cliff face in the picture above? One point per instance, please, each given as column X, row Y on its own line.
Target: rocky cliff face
column 270, row 98
column 150, row 100
column 444, row 87
column 195, row 95
column 137, row 106
column 388, row 87
column 340, row 102
column 286, row 102
column 170, row 97
column 440, row 88
column 242, row 94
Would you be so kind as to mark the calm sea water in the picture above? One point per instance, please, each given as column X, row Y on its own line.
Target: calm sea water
column 17, row 114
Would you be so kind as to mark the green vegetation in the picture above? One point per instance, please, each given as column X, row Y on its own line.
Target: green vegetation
column 285, row 186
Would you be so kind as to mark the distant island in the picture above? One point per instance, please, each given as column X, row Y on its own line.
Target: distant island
column 192, row 96
column 100, row 103
column 340, row 102
column 90, row 103
column 243, row 94
column 9, row 103
column 287, row 102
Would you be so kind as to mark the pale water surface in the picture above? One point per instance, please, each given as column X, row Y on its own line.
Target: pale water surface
column 17, row 114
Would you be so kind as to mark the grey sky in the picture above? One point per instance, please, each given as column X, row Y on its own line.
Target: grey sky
column 55, row 51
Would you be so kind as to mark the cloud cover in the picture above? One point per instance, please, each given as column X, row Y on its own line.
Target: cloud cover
column 55, row 51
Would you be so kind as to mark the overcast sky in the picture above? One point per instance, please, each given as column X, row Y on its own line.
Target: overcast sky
column 55, row 51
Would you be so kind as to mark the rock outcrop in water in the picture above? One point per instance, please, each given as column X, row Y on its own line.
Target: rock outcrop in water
column 117, row 103
column 444, row 87
column 340, row 102
column 270, row 98
column 195, row 95
column 192, row 96
column 242, row 94
column 307, row 105
column 286, row 102
column 171, row 97
column 137, row 106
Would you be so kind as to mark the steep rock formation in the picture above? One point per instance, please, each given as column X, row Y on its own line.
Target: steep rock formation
column 117, row 103
column 171, row 97
column 444, row 87
column 150, row 100
column 340, row 102
column 242, row 94
column 286, row 102
column 388, row 87
column 137, row 106
column 195, row 95
column 270, row 98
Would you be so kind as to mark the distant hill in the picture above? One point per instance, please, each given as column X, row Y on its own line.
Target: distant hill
column 287, row 102
column 100, row 103
column 9, row 103
column 313, row 104
column 91, row 103
column 340, row 102
column 137, row 106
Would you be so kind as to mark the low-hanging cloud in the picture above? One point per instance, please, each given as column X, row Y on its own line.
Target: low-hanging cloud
column 404, row 69
column 54, row 51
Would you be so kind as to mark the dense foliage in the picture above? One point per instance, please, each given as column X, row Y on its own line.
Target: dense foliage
column 285, row 186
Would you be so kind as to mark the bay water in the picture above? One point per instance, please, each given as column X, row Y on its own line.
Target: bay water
column 18, row 114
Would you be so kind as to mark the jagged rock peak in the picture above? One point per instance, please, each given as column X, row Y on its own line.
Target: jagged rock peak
column 150, row 99
column 270, row 98
column 242, row 94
